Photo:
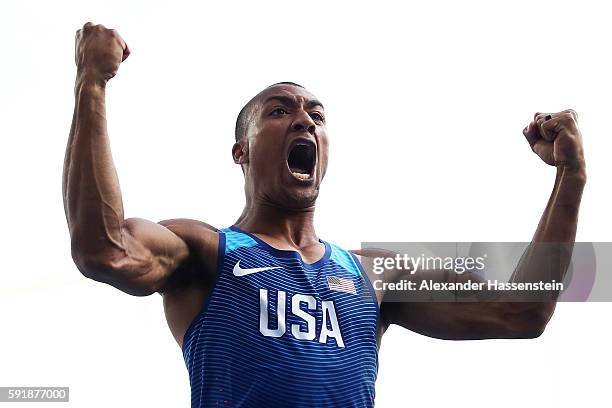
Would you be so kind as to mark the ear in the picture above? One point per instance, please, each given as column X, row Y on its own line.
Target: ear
column 240, row 152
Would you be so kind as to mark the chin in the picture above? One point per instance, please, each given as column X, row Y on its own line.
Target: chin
column 300, row 199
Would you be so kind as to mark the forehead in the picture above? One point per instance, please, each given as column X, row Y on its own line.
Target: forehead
column 285, row 90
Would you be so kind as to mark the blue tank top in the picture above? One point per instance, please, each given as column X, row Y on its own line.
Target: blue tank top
column 278, row 332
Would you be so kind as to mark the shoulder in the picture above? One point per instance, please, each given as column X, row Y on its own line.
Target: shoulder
column 185, row 225
column 372, row 261
column 366, row 257
column 196, row 234
column 372, row 253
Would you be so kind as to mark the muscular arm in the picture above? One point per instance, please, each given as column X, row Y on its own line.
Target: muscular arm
column 134, row 255
column 558, row 142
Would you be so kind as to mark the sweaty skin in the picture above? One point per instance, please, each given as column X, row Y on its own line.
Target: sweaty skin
column 178, row 257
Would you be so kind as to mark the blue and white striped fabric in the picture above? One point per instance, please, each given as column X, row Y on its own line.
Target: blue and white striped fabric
column 279, row 336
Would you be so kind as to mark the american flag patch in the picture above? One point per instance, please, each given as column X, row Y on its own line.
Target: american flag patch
column 341, row 284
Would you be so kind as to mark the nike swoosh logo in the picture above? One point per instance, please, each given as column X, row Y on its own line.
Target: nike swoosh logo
column 238, row 271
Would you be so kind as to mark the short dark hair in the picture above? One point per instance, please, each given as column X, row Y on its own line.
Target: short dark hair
column 242, row 121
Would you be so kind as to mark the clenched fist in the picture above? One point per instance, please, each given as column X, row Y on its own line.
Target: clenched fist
column 555, row 137
column 99, row 51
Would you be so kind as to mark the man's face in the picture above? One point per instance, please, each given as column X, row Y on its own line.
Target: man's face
column 287, row 147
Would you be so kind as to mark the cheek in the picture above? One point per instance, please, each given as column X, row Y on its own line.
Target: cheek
column 265, row 154
column 323, row 157
column 324, row 147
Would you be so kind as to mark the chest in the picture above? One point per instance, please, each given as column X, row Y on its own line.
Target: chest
column 284, row 298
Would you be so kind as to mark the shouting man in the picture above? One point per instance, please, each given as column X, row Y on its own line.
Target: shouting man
column 267, row 314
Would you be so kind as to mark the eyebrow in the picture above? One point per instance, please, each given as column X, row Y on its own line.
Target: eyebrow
column 288, row 100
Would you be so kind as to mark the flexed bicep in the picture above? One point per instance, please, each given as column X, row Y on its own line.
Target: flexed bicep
column 140, row 261
column 134, row 255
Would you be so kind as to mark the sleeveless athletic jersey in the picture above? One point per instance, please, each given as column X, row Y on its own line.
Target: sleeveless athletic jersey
column 278, row 332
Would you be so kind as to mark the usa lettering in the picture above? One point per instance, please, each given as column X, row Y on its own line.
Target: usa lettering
column 329, row 325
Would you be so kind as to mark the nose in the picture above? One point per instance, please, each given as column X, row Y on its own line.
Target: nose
column 303, row 122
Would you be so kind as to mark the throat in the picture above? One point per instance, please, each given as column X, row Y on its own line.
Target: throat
column 281, row 227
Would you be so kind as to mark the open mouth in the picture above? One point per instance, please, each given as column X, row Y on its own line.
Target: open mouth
column 301, row 159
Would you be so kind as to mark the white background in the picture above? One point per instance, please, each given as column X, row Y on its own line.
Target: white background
column 425, row 105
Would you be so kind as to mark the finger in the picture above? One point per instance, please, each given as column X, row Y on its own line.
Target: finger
column 124, row 46
column 126, row 52
column 573, row 113
column 562, row 120
column 550, row 129
column 540, row 117
column 88, row 25
column 532, row 134
column 77, row 38
column 544, row 117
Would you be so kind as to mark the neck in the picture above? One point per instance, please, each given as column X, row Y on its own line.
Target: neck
column 292, row 226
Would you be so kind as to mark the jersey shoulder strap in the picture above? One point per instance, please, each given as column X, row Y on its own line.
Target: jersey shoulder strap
column 232, row 240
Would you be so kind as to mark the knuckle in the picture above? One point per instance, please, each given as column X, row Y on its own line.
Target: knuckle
column 566, row 119
column 116, row 35
column 573, row 113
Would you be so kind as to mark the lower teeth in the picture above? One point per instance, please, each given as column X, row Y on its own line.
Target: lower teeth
column 301, row 176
